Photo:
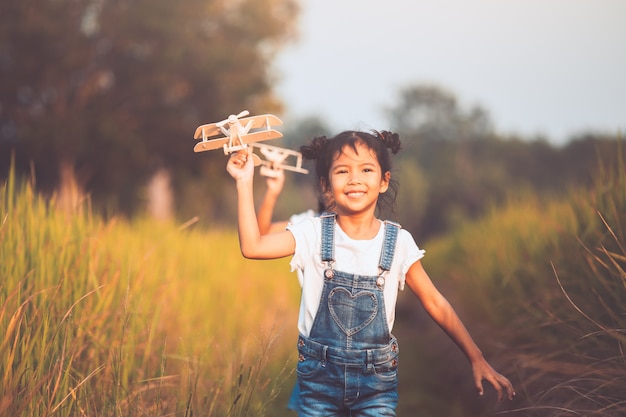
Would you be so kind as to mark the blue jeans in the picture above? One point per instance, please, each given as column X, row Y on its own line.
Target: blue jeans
column 344, row 382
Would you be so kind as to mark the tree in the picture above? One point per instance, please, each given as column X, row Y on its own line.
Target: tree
column 432, row 112
column 110, row 91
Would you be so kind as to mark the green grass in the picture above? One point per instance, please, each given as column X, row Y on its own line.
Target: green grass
column 140, row 318
column 118, row 318
column 543, row 282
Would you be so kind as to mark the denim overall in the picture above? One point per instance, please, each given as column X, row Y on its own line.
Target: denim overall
column 348, row 364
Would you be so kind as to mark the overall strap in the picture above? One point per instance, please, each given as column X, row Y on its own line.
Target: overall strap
column 327, row 249
column 389, row 247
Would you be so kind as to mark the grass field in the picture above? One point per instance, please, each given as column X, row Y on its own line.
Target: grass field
column 135, row 319
column 141, row 318
column 542, row 283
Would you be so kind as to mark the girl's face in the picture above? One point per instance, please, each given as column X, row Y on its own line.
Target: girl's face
column 356, row 180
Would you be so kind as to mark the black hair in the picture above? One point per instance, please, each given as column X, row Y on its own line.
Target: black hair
column 324, row 150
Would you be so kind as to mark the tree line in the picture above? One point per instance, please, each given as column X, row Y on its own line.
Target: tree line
column 454, row 166
column 99, row 96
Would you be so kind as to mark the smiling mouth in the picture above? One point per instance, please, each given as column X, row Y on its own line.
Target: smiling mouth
column 355, row 194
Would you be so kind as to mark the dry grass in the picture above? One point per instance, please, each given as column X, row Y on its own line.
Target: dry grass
column 113, row 318
column 547, row 280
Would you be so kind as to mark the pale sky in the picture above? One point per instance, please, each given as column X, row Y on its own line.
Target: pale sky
column 539, row 67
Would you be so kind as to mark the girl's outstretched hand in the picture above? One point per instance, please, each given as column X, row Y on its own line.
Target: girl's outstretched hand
column 241, row 165
column 275, row 184
column 482, row 370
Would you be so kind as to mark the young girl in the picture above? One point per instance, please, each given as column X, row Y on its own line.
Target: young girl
column 353, row 265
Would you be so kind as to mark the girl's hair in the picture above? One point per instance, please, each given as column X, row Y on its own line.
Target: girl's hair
column 324, row 150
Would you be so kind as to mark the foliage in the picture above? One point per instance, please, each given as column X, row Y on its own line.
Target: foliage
column 110, row 91
column 547, row 280
column 453, row 168
column 134, row 319
column 468, row 167
column 112, row 318
column 432, row 111
column 466, row 178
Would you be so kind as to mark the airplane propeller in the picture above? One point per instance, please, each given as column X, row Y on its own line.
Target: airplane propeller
column 232, row 118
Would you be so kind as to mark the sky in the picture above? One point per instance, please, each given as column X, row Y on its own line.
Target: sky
column 549, row 68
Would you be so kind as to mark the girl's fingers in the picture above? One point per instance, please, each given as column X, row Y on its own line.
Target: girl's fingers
column 479, row 387
column 239, row 158
column 500, row 384
column 509, row 388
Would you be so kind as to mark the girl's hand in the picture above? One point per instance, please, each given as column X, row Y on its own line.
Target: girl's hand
column 275, row 184
column 482, row 370
column 241, row 165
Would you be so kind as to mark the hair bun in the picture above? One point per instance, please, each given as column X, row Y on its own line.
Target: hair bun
column 390, row 139
column 314, row 148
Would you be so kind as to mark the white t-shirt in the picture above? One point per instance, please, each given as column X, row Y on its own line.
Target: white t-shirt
column 296, row 218
column 351, row 256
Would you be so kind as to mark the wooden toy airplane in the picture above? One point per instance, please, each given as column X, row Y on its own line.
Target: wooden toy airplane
column 276, row 157
column 238, row 132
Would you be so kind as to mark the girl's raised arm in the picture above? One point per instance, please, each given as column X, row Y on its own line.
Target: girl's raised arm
column 438, row 307
column 266, row 209
column 276, row 245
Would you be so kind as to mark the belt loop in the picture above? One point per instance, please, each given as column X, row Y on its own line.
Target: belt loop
column 369, row 360
column 324, row 355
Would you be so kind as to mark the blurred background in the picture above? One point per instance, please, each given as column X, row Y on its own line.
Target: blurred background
column 508, row 112
column 102, row 97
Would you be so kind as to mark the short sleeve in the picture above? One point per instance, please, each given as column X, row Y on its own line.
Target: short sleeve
column 408, row 252
column 304, row 233
column 297, row 218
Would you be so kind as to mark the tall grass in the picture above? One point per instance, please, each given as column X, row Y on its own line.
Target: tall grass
column 119, row 318
column 547, row 280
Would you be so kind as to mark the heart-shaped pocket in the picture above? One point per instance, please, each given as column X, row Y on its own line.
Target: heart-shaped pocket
column 352, row 313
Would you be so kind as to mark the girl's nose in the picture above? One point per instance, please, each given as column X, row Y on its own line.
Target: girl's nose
column 354, row 179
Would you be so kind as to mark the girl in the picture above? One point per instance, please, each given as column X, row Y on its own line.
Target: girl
column 353, row 265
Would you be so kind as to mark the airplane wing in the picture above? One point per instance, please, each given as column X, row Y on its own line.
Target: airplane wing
column 239, row 131
column 208, row 145
column 277, row 157
column 258, row 122
column 210, row 129
column 260, row 136
column 268, row 169
column 262, row 121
